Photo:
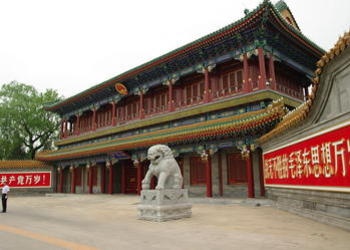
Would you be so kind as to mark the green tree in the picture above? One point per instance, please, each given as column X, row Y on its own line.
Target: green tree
column 25, row 127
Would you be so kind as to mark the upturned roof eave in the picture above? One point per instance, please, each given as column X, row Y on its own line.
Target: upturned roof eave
column 320, row 51
column 242, row 123
column 281, row 5
column 199, row 43
column 295, row 117
column 11, row 164
column 151, row 63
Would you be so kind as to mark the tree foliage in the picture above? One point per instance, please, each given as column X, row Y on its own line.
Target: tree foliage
column 25, row 127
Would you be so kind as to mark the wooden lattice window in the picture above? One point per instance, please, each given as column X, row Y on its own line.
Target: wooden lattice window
column 194, row 92
column 94, row 176
column 120, row 113
column 93, row 171
column 197, row 171
column 132, row 110
column 236, row 169
column 156, row 102
column 232, row 81
column 77, row 176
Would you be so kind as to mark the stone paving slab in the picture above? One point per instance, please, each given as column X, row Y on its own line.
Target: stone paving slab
column 110, row 222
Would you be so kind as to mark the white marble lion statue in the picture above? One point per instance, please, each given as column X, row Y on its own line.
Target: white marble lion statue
column 164, row 166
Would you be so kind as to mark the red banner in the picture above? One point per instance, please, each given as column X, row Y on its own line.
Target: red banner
column 320, row 160
column 26, row 179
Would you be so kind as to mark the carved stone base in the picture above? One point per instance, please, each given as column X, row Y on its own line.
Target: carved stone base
column 163, row 205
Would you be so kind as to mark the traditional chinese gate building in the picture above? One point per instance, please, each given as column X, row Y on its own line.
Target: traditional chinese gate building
column 307, row 156
column 208, row 100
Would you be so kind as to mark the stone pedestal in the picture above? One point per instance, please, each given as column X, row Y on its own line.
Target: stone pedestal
column 163, row 205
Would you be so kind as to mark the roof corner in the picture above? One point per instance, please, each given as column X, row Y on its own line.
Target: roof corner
column 285, row 12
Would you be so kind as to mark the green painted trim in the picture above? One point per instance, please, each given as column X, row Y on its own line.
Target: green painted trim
column 245, row 123
column 197, row 110
column 203, row 41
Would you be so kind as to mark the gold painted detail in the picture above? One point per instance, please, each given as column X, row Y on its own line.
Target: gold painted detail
column 23, row 164
column 223, row 126
column 233, row 102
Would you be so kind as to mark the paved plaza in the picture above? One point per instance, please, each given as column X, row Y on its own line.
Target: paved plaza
column 110, row 222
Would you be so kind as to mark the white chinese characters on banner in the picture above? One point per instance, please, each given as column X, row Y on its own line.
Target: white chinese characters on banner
column 320, row 160
column 26, row 179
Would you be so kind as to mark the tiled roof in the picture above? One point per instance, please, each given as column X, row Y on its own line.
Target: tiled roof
column 177, row 115
column 198, row 44
column 23, row 164
column 233, row 126
column 281, row 5
column 297, row 115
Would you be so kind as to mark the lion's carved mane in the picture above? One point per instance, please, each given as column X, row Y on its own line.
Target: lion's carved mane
column 164, row 166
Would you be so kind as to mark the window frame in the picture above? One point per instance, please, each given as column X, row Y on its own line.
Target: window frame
column 236, row 169
column 197, row 171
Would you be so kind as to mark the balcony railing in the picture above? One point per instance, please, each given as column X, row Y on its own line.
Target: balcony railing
column 178, row 105
column 156, row 110
column 289, row 91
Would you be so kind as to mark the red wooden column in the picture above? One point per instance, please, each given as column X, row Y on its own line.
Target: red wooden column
column 125, row 113
column 206, row 86
column 207, row 90
column 208, row 175
column 247, row 155
column 138, row 166
column 72, row 185
column 62, row 128
column 110, row 177
column 114, row 119
column 94, row 119
column 170, row 83
column 90, row 172
column 262, row 68
column 142, row 110
column 247, row 85
column 65, row 133
column 272, row 72
column 77, row 125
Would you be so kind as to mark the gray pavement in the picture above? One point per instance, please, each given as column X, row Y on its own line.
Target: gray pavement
column 110, row 222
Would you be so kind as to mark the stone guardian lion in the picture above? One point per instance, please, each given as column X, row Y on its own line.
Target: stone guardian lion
column 164, row 166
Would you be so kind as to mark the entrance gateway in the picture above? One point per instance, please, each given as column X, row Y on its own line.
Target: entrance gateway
column 209, row 100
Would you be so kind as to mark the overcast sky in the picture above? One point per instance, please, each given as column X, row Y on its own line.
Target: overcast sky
column 72, row 45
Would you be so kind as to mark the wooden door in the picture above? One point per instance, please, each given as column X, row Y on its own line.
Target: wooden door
column 130, row 179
